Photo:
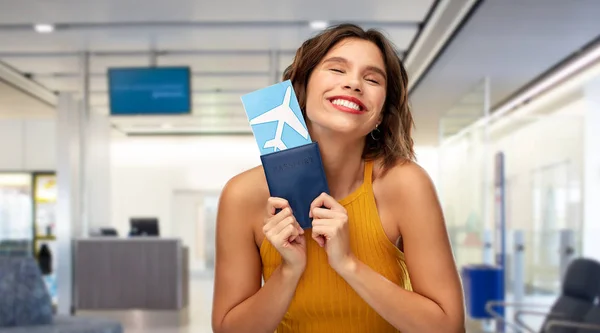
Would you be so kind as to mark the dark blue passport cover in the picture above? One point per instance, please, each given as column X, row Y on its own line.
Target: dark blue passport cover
column 297, row 175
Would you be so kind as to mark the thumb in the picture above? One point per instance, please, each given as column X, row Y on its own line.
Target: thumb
column 320, row 239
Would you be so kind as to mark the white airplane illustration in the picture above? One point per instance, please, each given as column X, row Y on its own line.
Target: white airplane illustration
column 282, row 114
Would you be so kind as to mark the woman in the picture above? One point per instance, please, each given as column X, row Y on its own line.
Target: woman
column 377, row 258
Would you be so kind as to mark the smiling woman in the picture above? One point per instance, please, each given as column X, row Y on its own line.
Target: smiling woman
column 378, row 258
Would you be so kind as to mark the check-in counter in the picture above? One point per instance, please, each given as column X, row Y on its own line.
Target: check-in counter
column 149, row 273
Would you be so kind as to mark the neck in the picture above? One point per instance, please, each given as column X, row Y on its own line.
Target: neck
column 343, row 164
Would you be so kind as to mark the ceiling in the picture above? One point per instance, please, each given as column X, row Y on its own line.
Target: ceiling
column 21, row 104
column 512, row 42
column 235, row 47
column 232, row 47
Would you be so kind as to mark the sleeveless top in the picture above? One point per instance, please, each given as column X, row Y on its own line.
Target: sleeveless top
column 325, row 302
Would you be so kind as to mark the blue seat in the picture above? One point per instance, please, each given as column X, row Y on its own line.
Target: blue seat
column 25, row 305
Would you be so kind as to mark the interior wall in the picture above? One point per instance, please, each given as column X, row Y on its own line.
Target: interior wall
column 147, row 172
column 591, row 213
column 546, row 148
column 27, row 144
column 543, row 153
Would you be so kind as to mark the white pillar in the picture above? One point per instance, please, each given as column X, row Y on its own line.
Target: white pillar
column 591, row 183
column 274, row 67
column 84, row 117
column 68, row 169
column 98, row 167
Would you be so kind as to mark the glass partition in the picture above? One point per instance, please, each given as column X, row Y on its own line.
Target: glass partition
column 16, row 223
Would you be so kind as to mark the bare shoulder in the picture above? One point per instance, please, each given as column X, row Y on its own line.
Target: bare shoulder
column 407, row 187
column 405, row 179
column 245, row 195
column 247, row 188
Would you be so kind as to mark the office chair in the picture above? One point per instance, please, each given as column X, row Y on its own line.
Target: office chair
column 590, row 324
column 580, row 289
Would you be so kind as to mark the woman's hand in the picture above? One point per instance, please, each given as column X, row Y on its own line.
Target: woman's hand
column 330, row 230
column 285, row 234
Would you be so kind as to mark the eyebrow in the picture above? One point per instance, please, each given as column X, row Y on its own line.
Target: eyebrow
column 370, row 68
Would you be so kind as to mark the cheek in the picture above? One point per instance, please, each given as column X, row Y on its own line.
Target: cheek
column 380, row 97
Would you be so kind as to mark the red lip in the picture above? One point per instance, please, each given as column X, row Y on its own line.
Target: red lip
column 355, row 100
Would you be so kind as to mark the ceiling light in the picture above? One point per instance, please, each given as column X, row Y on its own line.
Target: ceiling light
column 318, row 25
column 166, row 126
column 44, row 28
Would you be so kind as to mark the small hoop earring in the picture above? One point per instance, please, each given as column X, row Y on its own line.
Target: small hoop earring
column 378, row 134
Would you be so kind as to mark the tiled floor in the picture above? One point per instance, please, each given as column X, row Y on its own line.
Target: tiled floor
column 196, row 318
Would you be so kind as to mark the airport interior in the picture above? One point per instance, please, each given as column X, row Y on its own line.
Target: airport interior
column 122, row 122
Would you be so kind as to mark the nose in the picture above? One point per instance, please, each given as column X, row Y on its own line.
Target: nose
column 353, row 84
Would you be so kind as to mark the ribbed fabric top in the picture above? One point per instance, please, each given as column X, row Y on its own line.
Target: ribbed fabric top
column 324, row 302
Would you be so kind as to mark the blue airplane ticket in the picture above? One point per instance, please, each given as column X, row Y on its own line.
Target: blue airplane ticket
column 275, row 117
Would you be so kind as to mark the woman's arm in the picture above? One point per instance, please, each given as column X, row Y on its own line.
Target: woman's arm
column 436, row 304
column 239, row 302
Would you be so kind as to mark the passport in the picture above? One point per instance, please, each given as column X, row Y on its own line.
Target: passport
column 297, row 175
column 291, row 160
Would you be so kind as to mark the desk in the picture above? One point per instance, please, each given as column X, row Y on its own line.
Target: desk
column 130, row 273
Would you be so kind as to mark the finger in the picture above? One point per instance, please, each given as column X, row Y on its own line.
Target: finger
column 270, row 226
column 327, row 201
column 324, row 230
column 324, row 223
column 288, row 232
column 279, row 227
column 319, row 239
column 321, row 234
column 274, row 220
column 324, row 213
column 297, row 233
column 296, row 238
column 297, row 225
column 274, row 203
column 301, row 240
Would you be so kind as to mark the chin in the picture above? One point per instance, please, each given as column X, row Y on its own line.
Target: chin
column 338, row 125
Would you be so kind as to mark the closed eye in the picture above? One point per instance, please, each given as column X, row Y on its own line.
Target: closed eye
column 336, row 70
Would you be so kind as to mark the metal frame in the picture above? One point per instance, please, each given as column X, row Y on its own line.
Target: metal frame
column 569, row 324
column 518, row 324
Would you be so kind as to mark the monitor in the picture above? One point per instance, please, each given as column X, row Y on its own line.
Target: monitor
column 144, row 226
column 149, row 91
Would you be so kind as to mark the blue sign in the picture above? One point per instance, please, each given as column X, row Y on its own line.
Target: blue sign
column 149, row 91
column 276, row 118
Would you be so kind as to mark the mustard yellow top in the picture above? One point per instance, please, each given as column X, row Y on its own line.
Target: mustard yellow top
column 324, row 302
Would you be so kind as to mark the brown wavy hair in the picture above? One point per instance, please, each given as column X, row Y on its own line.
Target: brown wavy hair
column 393, row 141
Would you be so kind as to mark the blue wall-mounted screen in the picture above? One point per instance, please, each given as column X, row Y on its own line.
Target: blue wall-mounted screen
column 149, row 91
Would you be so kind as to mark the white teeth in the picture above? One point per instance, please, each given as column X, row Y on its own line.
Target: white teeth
column 346, row 103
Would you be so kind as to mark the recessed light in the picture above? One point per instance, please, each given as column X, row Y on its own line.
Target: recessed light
column 44, row 28
column 318, row 25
